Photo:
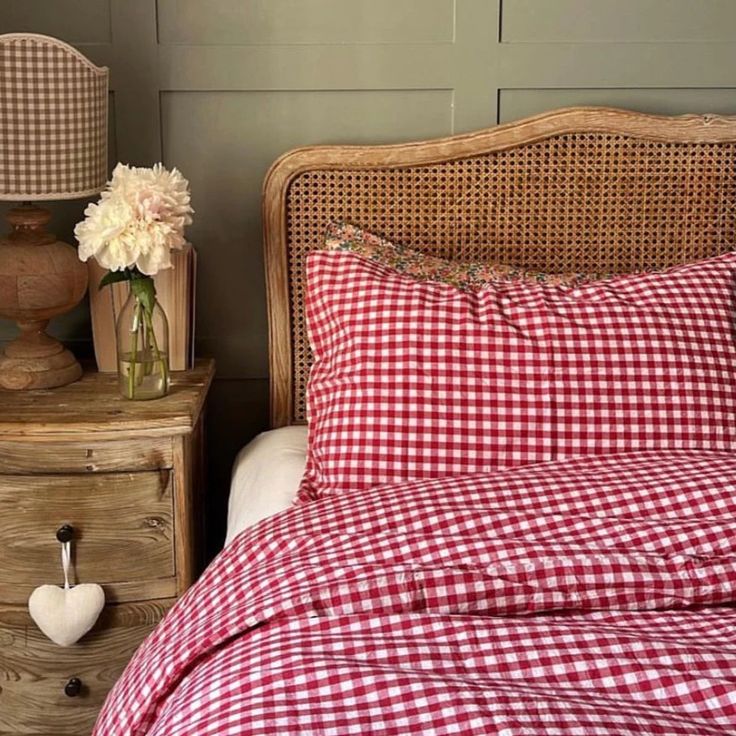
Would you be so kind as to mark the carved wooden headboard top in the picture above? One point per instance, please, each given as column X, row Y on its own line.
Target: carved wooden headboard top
column 579, row 189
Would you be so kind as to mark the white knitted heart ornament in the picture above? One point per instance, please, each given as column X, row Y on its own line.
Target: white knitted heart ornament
column 66, row 614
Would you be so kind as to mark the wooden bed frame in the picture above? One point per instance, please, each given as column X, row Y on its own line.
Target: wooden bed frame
column 579, row 189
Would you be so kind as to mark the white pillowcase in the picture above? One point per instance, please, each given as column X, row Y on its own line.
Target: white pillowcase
column 266, row 477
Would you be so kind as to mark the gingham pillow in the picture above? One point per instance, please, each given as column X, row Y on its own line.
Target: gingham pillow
column 420, row 379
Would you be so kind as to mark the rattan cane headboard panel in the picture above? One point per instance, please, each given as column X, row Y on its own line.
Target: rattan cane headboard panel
column 582, row 189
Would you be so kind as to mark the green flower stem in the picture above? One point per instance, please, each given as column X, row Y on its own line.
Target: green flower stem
column 161, row 361
column 133, row 353
column 146, row 332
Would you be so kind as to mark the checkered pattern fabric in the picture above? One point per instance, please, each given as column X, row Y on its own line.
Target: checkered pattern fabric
column 535, row 600
column 53, row 120
column 420, row 380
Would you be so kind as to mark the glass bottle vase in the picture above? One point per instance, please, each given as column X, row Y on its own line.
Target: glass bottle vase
column 143, row 344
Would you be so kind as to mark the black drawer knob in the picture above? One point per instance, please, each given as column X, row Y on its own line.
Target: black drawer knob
column 73, row 687
column 65, row 533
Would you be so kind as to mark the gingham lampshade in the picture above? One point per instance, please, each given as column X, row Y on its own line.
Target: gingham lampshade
column 53, row 120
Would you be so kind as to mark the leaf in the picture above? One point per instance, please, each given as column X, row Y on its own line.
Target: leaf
column 144, row 291
column 112, row 277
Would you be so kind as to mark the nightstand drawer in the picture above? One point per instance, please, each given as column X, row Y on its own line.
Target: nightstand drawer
column 34, row 671
column 92, row 456
column 123, row 533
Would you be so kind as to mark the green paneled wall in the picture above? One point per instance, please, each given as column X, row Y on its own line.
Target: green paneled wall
column 221, row 88
column 259, row 22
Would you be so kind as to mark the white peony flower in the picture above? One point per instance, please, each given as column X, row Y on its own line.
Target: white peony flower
column 140, row 217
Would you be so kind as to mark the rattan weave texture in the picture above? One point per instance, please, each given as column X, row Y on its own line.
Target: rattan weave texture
column 585, row 202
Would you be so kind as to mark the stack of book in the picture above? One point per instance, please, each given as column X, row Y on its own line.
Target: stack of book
column 175, row 293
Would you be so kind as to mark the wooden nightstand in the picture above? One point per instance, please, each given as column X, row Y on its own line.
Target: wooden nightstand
column 127, row 476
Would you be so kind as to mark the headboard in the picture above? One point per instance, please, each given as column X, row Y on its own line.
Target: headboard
column 578, row 189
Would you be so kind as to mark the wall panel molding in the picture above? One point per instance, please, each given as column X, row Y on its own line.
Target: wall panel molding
column 475, row 63
column 134, row 67
column 629, row 21
column 600, row 65
column 519, row 103
column 307, row 67
column 305, row 22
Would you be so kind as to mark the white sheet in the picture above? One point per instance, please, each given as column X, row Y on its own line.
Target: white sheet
column 266, row 476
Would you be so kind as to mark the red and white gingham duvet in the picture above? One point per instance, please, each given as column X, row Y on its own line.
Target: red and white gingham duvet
column 536, row 600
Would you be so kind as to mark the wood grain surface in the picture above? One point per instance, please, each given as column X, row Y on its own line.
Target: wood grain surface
column 93, row 407
column 123, row 532
column 91, row 456
column 33, row 670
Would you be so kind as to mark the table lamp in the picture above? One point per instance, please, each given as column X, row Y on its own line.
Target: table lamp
column 53, row 145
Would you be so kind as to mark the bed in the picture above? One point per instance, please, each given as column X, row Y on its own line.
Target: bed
column 557, row 591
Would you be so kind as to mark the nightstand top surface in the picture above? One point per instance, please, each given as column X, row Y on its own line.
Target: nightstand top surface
column 93, row 406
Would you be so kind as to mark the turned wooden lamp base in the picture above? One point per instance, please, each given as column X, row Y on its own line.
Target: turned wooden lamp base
column 40, row 277
column 36, row 360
